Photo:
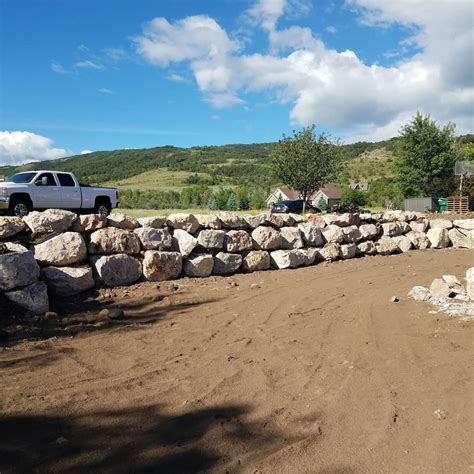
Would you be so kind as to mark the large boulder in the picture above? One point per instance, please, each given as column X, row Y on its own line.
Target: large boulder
column 61, row 250
column 199, row 265
column 386, row 245
column 266, row 238
column 391, row 229
column 211, row 239
column 160, row 266
column 232, row 220
column 288, row 258
column 333, row 234
column 278, row 220
column 153, row 238
column 440, row 224
column 226, row 263
column 470, row 283
column 366, row 248
column 317, row 220
column 10, row 226
column 117, row 270
column 18, row 269
column 440, row 288
column 66, row 281
column 420, row 226
column 466, row 224
column 419, row 240
column 186, row 222
column 256, row 260
column 89, row 223
column 112, row 240
column 341, row 220
column 184, row 242
column 329, row 252
column 404, row 243
column 352, row 234
column 208, row 221
column 253, row 221
column 291, row 238
column 348, row 251
column 33, row 298
column 311, row 234
column 157, row 222
column 438, row 237
column 238, row 241
column 462, row 238
column 419, row 293
column 122, row 221
column 49, row 221
column 368, row 231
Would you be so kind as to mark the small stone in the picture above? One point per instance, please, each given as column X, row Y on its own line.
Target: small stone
column 50, row 315
column 419, row 293
column 233, row 284
column 440, row 414
column 104, row 313
column 254, row 286
column 116, row 314
column 62, row 440
column 394, row 299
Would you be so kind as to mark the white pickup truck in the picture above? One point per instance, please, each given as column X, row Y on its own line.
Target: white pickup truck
column 23, row 192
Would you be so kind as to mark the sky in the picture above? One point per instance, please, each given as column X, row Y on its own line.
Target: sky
column 84, row 75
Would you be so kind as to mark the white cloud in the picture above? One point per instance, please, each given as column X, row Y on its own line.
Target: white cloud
column 104, row 90
column 86, row 152
column 175, row 77
column 58, row 68
column 328, row 87
column 331, row 29
column 23, row 147
column 88, row 64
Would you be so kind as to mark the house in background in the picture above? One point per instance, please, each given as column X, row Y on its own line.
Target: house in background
column 361, row 186
column 329, row 193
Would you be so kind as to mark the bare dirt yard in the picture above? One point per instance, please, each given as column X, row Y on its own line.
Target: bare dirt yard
column 312, row 370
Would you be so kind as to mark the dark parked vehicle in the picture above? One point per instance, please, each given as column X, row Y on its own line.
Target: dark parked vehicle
column 293, row 206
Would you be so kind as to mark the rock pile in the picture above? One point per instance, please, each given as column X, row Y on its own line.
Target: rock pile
column 59, row 253
column 449, row 295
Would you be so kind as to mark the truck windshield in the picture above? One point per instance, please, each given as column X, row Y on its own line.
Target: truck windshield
column 21, row 178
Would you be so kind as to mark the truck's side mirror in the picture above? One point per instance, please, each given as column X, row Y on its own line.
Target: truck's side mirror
column 42, row 182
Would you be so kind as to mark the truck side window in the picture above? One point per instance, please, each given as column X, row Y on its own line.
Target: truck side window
column 66, row 180
column 51, row 181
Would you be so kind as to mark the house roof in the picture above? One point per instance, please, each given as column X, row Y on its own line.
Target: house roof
column 290, row 193
column 331, row 192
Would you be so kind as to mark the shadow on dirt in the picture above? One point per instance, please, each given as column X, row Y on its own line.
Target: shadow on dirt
column 143, row 439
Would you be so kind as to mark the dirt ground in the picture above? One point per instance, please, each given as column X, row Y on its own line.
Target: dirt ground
column 312, row 370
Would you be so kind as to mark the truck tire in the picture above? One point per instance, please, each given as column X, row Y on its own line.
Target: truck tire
column 20, row 207
column 102, row 207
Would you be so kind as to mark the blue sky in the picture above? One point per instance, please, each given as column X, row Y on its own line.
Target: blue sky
column 105, row 74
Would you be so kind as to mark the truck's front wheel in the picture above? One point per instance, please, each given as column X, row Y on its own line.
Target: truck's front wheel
column 20, row 207
column 102, row 207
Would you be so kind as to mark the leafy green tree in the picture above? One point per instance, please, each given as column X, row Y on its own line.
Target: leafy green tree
column 384, row 191
column 354, row 196
column 304, row 161
column 425, row 164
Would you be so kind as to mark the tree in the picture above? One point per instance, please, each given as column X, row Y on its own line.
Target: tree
column 232, row 202
column 305, row 162
column 354, row 196
column 322, row 204
column 425, row 164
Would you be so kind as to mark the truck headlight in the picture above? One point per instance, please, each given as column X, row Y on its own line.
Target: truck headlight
column 4, row 192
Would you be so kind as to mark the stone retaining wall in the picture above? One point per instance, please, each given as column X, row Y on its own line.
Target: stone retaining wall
column 58, row 253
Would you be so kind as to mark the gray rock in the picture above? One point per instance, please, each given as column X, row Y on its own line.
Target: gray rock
column 462, row 238
column 226, row 263
column 419, row 293
column 18, row 269
column 352, row 234
column 49, row 221
column 330, row 252
column 211, row 239
column 419, row 240
column 117, row 270
column 438, row 237
column 160, row 266
column 186, row 222
column 89, row 223
column 254, row 221
column 278, row 220
column 200, row 265
column 266, row 238
column 439, row 288
column 208, row 221
column 156, row 222
column 256, row 260
column 386, row 245
column 369, row 231
column 311, row 234
column 404, row 227
column 184, row 242
column 420, row 226
column 287, row 258
column 61, row 250
column 391, row 229
column 66, row 281
column 367, row 248
column 348, row 251
column 33, row 298
column 404, row 243
column 112, row 240
column 341, row 220
column 10, row 226
column 122, row 221
column 291, row 238
column 153, row 238
column 440, row 224
column 232, row 220
column 333, row 234
column 238, row 241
